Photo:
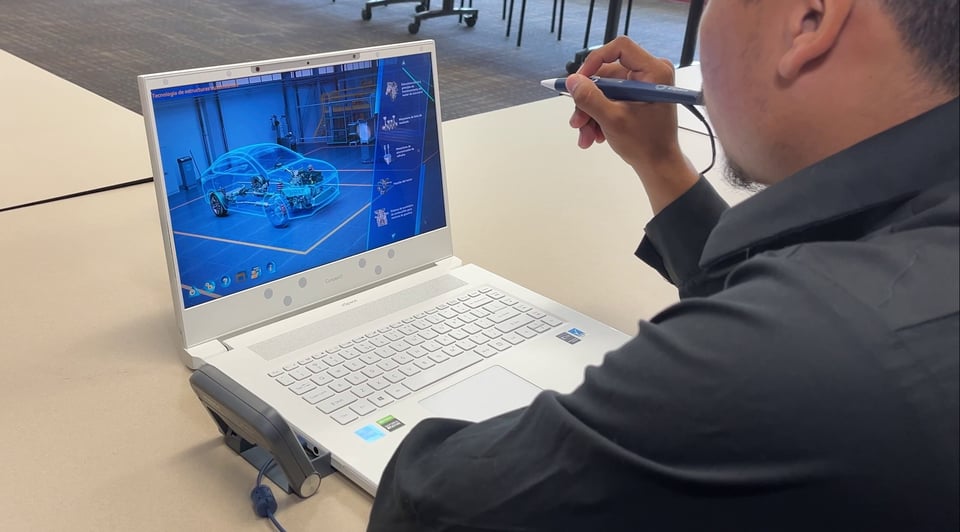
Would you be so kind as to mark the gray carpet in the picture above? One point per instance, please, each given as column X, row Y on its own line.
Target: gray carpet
column 102, row 45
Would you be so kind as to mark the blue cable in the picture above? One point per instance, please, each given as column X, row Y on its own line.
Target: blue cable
column 264, row 504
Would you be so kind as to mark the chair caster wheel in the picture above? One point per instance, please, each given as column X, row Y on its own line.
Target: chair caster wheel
column 471, row 21
column 414, row 27
column 420, row 8
column 365, row 14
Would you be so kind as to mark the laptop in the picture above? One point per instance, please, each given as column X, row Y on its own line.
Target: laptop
column 304, row 214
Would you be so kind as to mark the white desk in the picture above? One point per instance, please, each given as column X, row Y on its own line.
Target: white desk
column 59, row 139
column 101, row 428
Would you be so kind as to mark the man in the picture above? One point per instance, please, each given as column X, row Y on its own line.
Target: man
column 808, row 379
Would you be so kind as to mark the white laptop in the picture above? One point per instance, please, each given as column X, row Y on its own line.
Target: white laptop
column 306, row 226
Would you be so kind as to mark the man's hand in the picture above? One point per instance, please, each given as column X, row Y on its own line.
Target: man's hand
column 642, row 134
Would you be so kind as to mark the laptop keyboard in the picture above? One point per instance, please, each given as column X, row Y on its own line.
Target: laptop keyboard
column 358, row 377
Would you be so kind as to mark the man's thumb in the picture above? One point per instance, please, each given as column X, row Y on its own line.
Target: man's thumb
column 585, row 94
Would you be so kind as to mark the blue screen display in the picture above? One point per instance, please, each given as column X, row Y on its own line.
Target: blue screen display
column 271, row 175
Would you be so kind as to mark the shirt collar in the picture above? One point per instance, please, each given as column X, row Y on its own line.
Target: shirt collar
column 898, row 162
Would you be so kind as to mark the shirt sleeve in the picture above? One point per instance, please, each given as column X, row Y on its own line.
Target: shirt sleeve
column 680, row 429
column 675, row 237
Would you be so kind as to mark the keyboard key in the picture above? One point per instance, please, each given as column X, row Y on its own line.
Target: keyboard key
column 339, row 386
column 540, row 327
column 502, row 315
column 363, row 407
column 275, row 373
column 416, row 352
column 290, row 366
column 336, row 402
column 478, row 301
column 526, row 332
column 409, row 369
column 439, row 357
column 305, row 360
column 318, row 395
column 372, row 371
column 452, row 351
column 455, row 323
column 430, row 345
column 379, row 383
column 362, row 391
column 302, row 387
column 380, row 399
column 513, row 338
column 513, row 323
column 403, row 358
column 365, row 347
column 500, row 344
column 354, row 365
column 486, row 351
column 394, row 376
column 551, row 321
column 385, row 352
column 321, row 379
column 333, row 360
column 387, row 365
column 349, row 353
column 445, row 339
column 429, row 376
column 356, row 378
column 316, row 366
column 300, row 373
column 338, row 372
column 494, row 307
column 398, row 391
column 344, row 416
column 428, row 334
column 424, row 363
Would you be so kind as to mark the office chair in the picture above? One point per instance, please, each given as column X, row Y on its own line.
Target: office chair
column 366, row 14
column 690, row 34
column 466, row 14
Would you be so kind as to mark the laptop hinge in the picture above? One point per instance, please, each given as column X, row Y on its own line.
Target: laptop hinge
column 199, row 354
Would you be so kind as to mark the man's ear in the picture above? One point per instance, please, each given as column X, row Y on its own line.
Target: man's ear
column 815, row 26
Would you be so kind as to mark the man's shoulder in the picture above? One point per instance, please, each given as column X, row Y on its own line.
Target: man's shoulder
column 903, row 277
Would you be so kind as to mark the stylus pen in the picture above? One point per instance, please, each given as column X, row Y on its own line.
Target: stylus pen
column 634, row 91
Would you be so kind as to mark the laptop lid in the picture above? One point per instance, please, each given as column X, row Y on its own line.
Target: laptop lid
column 288, row 182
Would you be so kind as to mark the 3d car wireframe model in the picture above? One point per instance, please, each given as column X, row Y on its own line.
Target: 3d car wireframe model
column 269, row 180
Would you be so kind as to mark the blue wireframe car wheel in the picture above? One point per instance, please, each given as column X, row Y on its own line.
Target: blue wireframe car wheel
column 277, row 210
column 269, row 180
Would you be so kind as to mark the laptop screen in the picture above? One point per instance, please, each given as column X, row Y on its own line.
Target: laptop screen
column 273, row 174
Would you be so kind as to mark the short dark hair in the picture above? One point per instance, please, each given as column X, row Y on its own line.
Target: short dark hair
column 930, row 29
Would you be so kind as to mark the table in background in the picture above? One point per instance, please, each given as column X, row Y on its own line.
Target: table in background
column 60, row 139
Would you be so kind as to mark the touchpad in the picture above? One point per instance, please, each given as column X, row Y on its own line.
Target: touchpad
column 487, row 394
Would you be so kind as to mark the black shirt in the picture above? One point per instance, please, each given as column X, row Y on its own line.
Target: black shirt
column 807, row 379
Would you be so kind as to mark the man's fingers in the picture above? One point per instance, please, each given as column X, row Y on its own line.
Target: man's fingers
column 625, row 51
